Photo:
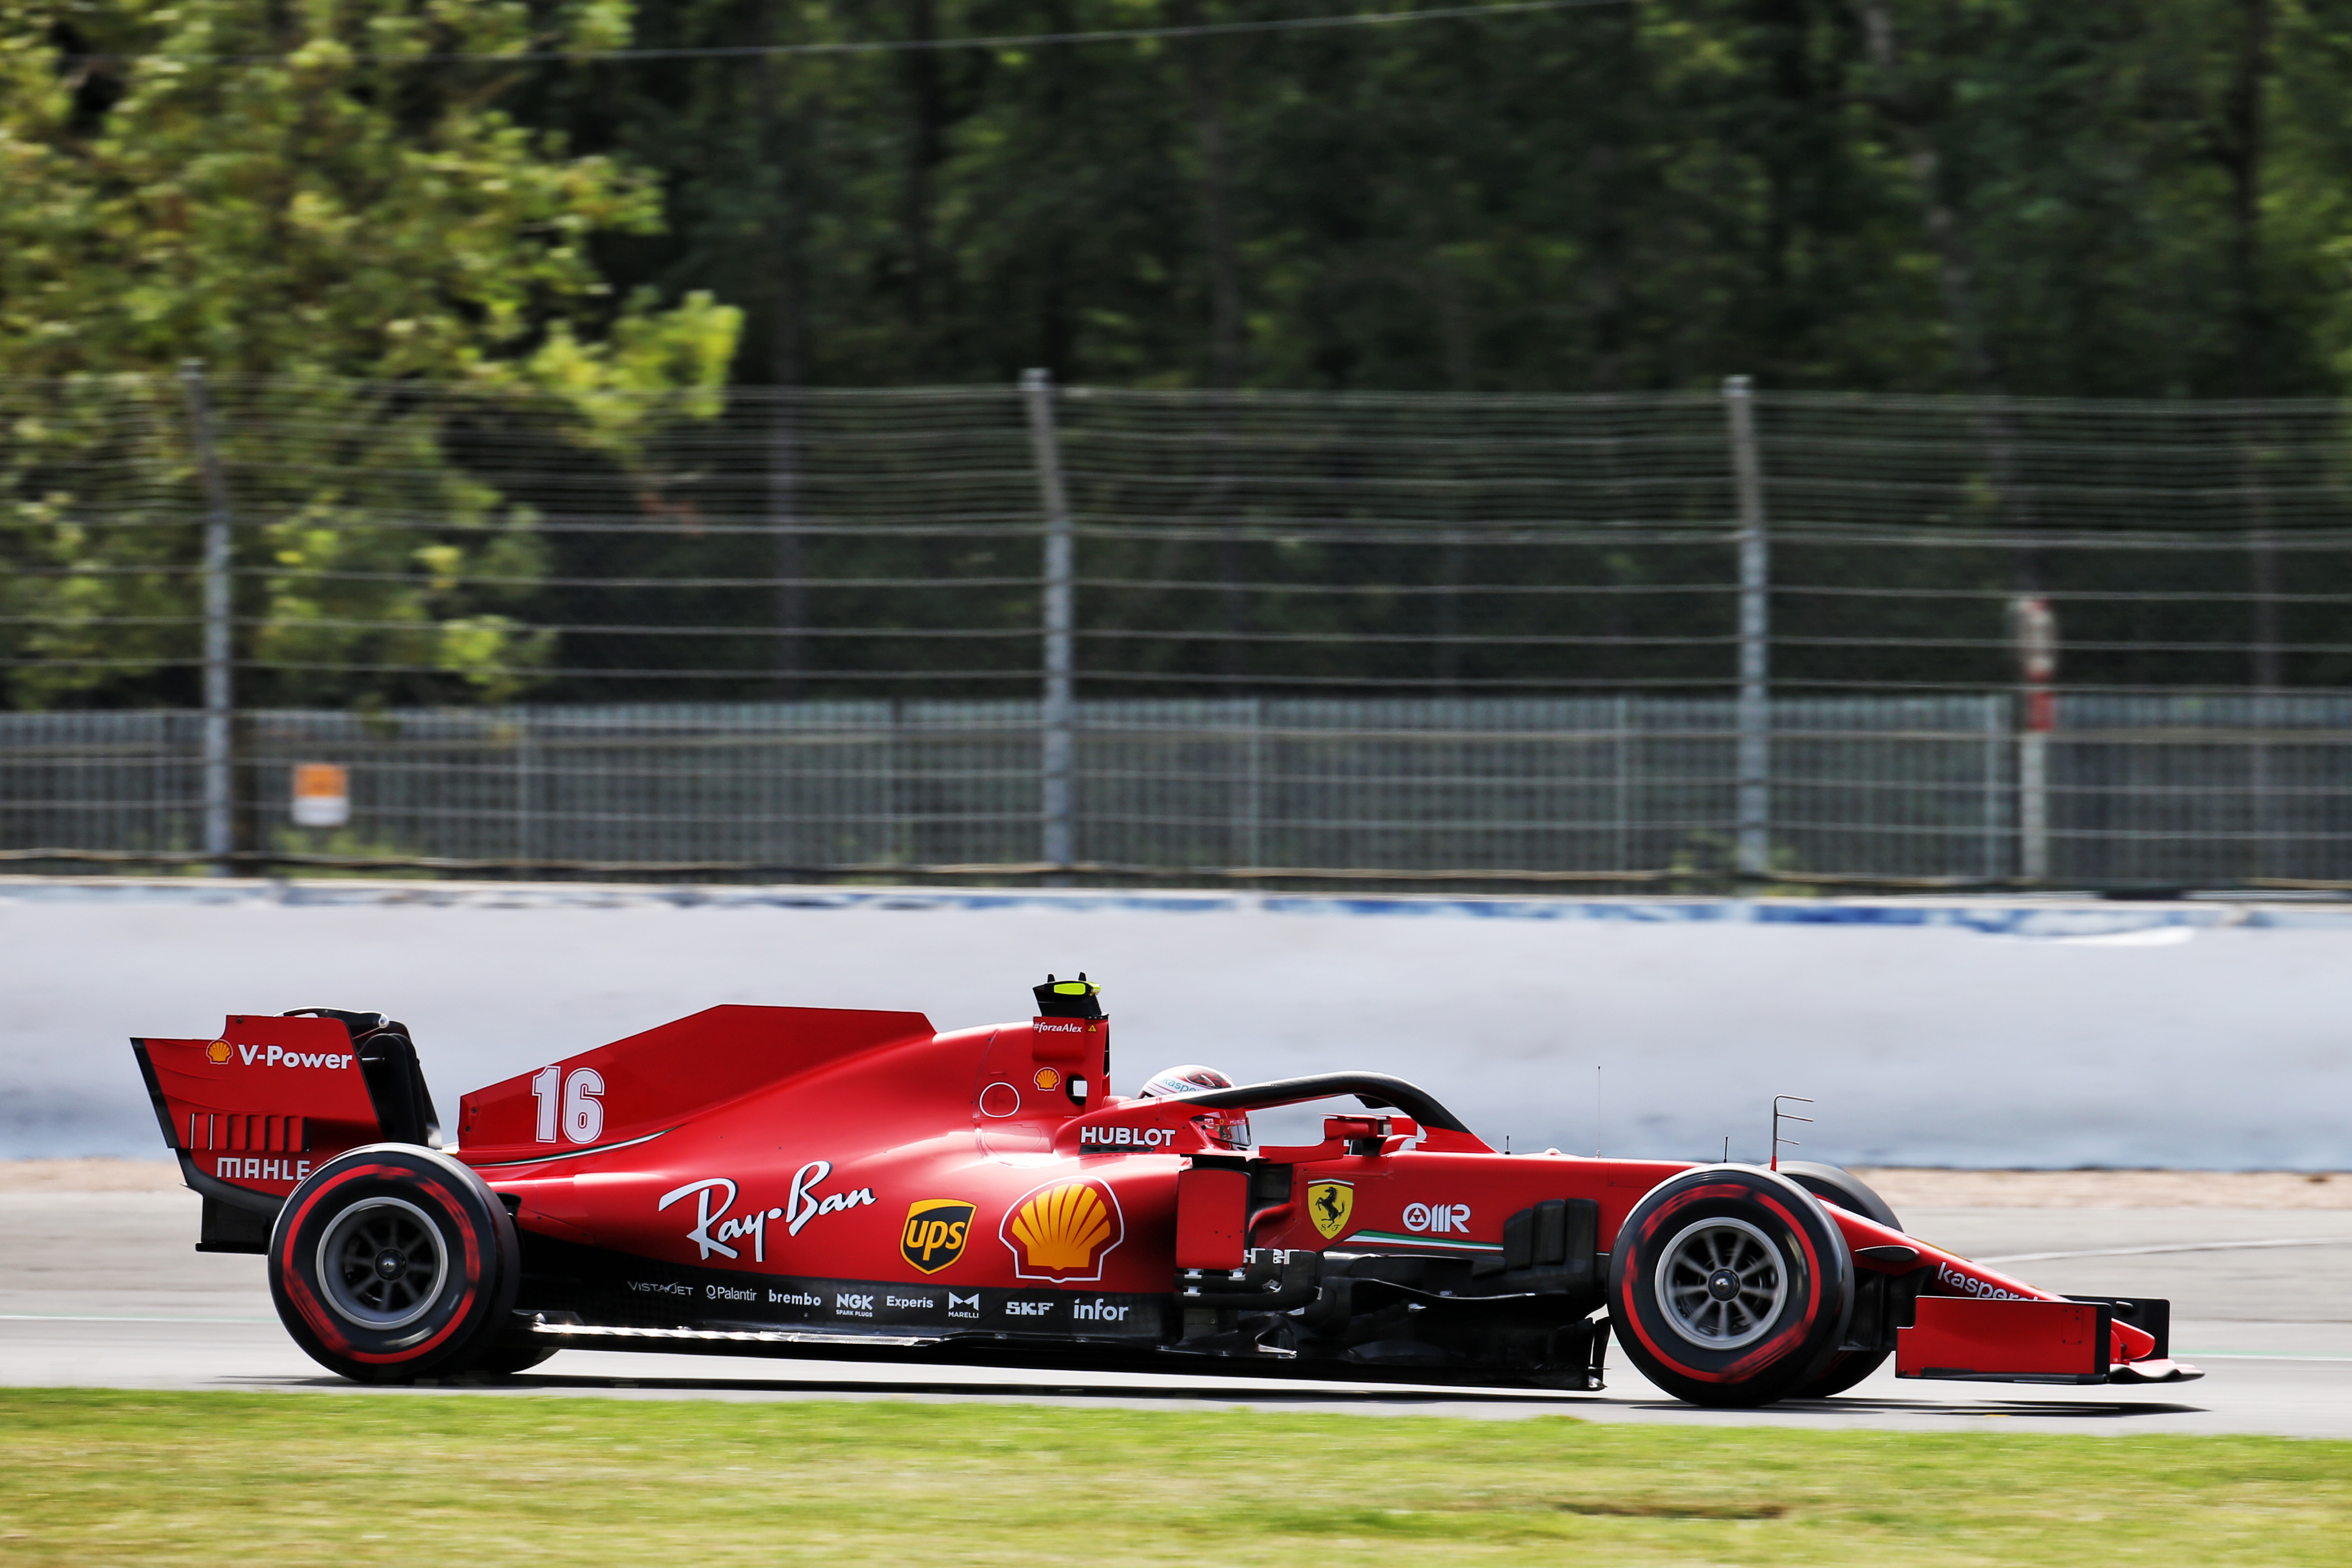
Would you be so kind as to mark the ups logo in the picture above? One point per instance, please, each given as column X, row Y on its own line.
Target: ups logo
column 934, row 1234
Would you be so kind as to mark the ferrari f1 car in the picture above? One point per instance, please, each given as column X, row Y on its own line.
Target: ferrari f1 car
column 807, row 1183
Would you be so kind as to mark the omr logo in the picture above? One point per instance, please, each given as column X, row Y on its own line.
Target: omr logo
column 935, row 1232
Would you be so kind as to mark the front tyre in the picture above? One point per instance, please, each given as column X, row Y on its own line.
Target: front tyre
column 1843, row 1187
column 1729, row 1286
column 393, row 1262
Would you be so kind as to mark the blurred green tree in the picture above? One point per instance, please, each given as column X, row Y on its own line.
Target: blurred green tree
column 2014, row 198
column 282, row 192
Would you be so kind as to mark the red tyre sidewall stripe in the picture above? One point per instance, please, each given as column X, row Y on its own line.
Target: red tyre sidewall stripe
column 297, row 1284
column 322, row 1321
column 1770, row 1350
column 464, row 1311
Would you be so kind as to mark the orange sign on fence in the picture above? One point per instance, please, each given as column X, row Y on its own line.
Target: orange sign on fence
column 322, row 794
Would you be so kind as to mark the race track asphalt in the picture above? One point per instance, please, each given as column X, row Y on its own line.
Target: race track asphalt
column 102, row 1289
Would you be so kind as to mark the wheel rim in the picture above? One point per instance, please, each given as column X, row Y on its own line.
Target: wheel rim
column 383, row 1263
column 1721, row 1283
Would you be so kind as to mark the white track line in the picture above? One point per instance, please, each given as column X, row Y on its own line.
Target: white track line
column 114, row 1318
column 2175, row 1246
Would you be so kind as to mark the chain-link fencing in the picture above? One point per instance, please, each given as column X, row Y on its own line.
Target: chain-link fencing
column 1685, row 640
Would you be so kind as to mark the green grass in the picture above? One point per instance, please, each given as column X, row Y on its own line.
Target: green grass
column 282, row 1479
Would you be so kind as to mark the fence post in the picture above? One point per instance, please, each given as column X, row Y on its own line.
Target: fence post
column 789, row 559
column 2036, row 631
column 1996, row 736
column 2034, row 804
column 1037, row 393
column 220, row 688
column 1622, row 851
column 1252, row 823
column 1755, row 635
column 526, row 793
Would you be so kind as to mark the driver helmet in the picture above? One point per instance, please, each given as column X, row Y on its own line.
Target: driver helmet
column 1177, row 1082
column 1231, row 1128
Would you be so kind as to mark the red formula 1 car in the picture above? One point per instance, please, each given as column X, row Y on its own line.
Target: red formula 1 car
column 806, row 1182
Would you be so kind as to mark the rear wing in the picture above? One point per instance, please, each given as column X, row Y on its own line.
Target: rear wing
column 252, row 1110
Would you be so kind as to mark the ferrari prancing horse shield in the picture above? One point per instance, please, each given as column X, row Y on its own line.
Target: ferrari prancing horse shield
column 1332, row 1205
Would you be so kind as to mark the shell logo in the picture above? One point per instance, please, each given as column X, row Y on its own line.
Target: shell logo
column 218, row 1052
column 1047, row 1078
column 1063, row 1231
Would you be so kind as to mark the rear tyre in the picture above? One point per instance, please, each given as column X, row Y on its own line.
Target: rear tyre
column 1849, row 1191
column 1729, row 1286
column 393, row 1262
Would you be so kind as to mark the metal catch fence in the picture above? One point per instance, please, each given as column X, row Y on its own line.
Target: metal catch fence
column 1674, row 640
